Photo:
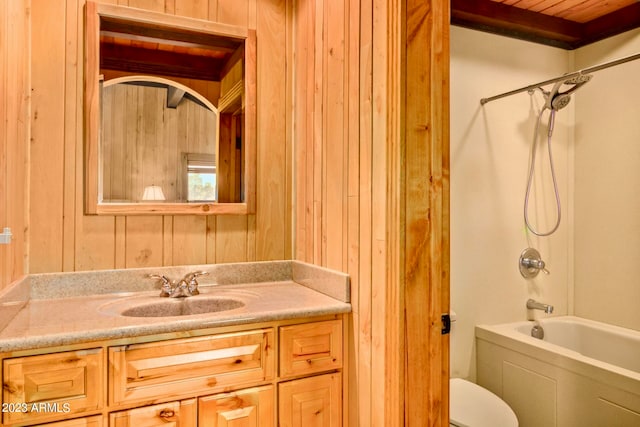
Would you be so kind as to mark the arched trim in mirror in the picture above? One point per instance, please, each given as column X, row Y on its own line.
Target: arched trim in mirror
column 164, row 82
column 184, row 32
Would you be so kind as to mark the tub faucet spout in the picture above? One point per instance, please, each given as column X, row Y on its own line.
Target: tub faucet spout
column 535, row 305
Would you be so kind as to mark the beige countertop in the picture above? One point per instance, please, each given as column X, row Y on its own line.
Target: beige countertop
column 69, row 308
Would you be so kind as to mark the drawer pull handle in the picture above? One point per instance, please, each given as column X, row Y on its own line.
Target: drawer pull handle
column 309, row 361
column 167, row 413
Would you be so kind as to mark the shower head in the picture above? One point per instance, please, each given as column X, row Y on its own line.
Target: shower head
column 557, row 99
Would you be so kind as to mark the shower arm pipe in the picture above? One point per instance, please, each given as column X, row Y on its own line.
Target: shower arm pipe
column 563, row 77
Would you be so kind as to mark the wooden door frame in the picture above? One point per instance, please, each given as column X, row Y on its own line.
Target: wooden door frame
column 411, row 132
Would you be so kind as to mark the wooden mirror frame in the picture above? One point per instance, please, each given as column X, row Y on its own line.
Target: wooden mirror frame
column 94, row 14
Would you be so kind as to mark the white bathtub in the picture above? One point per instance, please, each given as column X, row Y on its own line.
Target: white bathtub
column 583, row 373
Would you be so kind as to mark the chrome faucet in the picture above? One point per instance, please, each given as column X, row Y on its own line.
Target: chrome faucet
column 535, row 305
column 186, row 287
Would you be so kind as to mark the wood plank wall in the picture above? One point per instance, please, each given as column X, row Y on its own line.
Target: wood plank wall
column 63, row 239
column 371, row 167
column 333, row 168
column 339, row 106
column 14, row 135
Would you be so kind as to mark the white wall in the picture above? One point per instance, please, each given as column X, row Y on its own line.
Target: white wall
column 490, row 149
column 594, row 256
column 607, row 189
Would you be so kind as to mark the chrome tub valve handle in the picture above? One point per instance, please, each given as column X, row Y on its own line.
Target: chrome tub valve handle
column 530, row 263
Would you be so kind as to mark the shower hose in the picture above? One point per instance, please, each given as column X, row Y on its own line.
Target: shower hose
column 530, row 227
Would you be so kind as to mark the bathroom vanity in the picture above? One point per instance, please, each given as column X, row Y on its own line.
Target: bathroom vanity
column 73, row 357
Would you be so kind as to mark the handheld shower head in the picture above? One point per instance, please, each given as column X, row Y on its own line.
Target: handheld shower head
column 557, row 100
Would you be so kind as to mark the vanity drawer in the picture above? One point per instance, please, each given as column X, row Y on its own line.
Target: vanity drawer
column 311, row 347
column 52, row 385
column 79, row 422
column 171, row 414
column 190, row 366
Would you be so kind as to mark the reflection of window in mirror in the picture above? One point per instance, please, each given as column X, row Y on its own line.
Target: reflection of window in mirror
column 188, row 89
column 200, row 176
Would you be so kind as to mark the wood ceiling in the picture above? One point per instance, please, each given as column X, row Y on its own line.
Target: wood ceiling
column 139, row 48
column 567, row 24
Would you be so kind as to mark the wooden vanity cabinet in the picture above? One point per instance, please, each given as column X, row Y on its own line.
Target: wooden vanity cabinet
column 310, row 348
column 281, row 373
column 160, row 370
column 171, row 414
column 45, row 386
column 252, row 407
column 313, row 401
column 95, row 421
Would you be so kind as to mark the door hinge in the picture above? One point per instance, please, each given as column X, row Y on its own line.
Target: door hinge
column 446, row 324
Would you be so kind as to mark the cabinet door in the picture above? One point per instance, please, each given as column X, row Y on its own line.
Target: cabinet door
column 252, row 407
column 311, row 402
column 172, row 414
column 203, row 365
column 50, row 386
column 310, row 348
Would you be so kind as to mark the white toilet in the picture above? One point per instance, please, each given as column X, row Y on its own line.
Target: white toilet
column 473, row 406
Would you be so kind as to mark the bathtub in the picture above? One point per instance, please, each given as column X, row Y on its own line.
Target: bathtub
column 583, row 373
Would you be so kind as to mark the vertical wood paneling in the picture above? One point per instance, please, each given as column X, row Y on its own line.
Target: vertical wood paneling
column 317, row 220
column 234, row 12
column 211, row 240
column 361, row 290
column 67, row 239
column 72, row 119
column 231, row 246
column 18, row 135
column 167, row 240
column 95, row 237
column 198, row 9
column 334, row 201
column 271, row 200
column 47, row 137
column 14, row 135
column 289, row 132
column 303, row 135
column 154, row 5
column 372, row 191
column 144, row 241
column 189, row 239
column 121, row 242
column 5, row 152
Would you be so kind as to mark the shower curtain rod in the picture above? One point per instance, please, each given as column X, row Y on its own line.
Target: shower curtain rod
column 564, row 77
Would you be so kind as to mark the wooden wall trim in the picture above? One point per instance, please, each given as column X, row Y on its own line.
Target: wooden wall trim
column 426, row 208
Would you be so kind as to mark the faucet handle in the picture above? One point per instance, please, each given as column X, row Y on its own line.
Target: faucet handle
column 192, row 282
column 167, row 288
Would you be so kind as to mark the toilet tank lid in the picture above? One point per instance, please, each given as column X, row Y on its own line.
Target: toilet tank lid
column 474, row 406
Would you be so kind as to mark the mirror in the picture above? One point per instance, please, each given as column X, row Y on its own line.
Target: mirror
column 158, row 142
column 169, row 114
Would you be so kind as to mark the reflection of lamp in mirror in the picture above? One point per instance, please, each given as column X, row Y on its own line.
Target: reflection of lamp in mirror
column 153, row 192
